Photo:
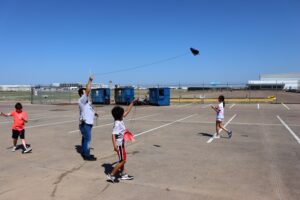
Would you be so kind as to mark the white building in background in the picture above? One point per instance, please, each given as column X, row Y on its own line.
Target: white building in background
column 290, row 81
column 15, row 87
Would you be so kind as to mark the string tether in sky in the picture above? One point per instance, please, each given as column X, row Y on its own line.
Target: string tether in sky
column 194, row 51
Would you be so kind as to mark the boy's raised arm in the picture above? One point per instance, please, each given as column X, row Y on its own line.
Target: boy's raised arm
column 129, row 108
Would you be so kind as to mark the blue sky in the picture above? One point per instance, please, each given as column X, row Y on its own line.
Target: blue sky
column 62, row 40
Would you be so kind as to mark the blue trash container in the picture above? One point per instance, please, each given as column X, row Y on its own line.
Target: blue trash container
column 100, row 96
column 159, row 96
column 124, row 95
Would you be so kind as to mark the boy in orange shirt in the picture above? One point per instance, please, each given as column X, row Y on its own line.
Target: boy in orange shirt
column 20, row 118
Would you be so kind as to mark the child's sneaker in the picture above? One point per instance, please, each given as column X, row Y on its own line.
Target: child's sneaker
column 230, row 134
column 126, row 177
column 110, row 178
column 27, row 150
column 14, row 149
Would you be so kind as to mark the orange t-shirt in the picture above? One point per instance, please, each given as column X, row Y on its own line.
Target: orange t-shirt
column 18, row 120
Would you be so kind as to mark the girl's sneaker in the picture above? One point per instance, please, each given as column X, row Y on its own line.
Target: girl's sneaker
column 126, row 177
column 230, row 134
column 216, row 136
column 14, row 149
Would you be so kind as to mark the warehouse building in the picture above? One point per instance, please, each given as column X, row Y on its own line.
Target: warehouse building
column 289, row 82
column 14, row 88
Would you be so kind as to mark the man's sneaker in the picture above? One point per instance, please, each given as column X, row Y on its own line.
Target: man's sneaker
column 126, row 177
column 110, row 178
column 230, row 134
column 14, row 149
column 27, row 150
column 89, row 158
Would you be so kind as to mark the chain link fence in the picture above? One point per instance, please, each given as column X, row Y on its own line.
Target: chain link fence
column 180, row 93
column 53, row 95
column 233, row 92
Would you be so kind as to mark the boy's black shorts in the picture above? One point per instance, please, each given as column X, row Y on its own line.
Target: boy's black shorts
column 17, row 133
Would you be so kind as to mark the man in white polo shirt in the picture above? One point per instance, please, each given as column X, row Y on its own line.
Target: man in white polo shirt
column 87, row 114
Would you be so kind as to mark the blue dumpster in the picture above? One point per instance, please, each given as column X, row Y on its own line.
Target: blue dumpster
column 100, row 96
column 124, row 95
column 159, row 96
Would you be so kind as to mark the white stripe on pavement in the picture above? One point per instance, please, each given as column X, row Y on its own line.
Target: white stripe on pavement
column 181, row 106
column 289, row 129
column 51, row 124
column 206, row 106
column 285, row 106
column 232, row 106
column 74, row 131
column 168, row 124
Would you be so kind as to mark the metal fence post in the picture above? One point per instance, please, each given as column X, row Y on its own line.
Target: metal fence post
column 227, row 90
column 249, row 94
column 179, row 91
column 276, row 95
column 31, row 96
column 203, row 97
column 70, row 96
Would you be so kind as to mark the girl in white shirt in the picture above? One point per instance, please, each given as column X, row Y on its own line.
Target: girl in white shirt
column 220, row 117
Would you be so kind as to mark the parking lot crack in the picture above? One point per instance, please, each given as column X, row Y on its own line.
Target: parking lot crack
column 62, row 176
column 1, row 193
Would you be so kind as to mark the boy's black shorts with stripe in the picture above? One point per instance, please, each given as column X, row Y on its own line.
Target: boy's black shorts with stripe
column 121, row 153
column 17, row 133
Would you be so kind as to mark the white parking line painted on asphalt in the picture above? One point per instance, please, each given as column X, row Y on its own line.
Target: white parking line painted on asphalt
column 64, row 116
column 74, row 131
column 210, row 122
column 50, row 124
column 6, row 122
column 232, row 106
column 289, row 129
column 47, row 113
column 49, row 117
column 168, row 124
column 55, row 113
column 212, row 138
column 181, row 106
column 285, row 106
column 206, row 106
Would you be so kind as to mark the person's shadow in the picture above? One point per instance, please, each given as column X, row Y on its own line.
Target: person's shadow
column 210, row 135
column 108, row 167
column 78, row 149
column 206, row 134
